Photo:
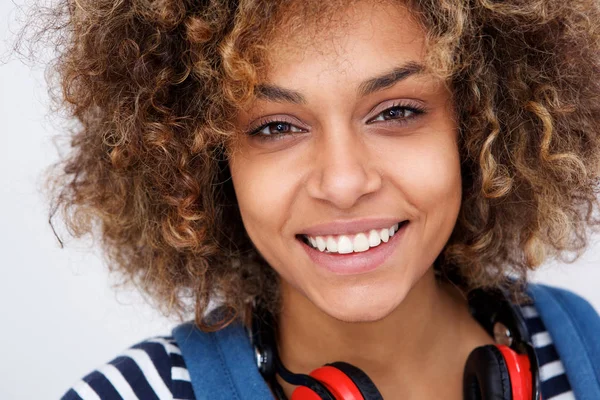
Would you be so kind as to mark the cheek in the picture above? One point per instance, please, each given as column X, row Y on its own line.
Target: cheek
column 426, row 169
column 263, row 195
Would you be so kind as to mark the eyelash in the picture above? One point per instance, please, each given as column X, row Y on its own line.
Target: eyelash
column 255, row 133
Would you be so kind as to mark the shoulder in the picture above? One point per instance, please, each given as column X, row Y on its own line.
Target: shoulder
column 540, row 292
column 566, row 311
column 573, row 326
column 151, row 369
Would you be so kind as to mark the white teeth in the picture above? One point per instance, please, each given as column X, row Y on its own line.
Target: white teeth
column 332, row 245
column 360, row 243
column 374, row 238
column 321, row 245
column 385, row 235
column 393, row 229
column 345, row 244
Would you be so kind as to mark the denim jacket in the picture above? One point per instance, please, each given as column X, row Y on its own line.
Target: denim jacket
column 222, row 364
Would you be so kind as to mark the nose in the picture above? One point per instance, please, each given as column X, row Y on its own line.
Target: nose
column 344, row 170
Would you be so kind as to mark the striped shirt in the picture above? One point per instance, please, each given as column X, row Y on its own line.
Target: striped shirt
column 554, row 382
column 154, row 369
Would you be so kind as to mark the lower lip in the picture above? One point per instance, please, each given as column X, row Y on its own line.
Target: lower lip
column 355, row 263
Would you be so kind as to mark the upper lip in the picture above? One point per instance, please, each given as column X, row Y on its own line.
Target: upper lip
column 350, row 227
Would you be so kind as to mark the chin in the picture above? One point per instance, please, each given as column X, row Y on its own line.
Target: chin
column 373, row 308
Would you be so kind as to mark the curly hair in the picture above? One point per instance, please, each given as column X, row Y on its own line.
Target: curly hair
column 156, row 84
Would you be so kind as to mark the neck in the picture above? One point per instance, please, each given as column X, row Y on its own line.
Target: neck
column 420, row 338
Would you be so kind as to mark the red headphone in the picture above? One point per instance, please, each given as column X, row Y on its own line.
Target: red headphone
column 507, row 370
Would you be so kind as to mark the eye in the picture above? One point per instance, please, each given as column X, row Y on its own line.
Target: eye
column 397, row 112
column 273, row 129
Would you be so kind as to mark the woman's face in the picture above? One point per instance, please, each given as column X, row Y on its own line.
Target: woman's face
column 350, row 135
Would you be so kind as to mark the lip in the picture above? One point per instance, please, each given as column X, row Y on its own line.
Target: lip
column 350, row 227
column 356, row 263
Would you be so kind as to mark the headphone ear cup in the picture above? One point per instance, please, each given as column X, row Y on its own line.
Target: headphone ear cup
column 305, row 393
column 347, row 382
column 337, row 382
column 362, row 381
column 486, row 375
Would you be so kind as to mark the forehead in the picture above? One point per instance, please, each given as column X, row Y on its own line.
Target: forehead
column 353, row 40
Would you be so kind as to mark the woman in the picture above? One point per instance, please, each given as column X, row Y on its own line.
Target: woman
column 355, row 168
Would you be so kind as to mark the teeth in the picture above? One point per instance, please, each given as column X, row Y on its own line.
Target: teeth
column 374, row 238
column 346, row 244
column 332, row 245
column 360, row 243
column 321, row 245
column 385, row 235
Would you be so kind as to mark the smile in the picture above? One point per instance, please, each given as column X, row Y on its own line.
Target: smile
column 357, row 243
column 356, row 261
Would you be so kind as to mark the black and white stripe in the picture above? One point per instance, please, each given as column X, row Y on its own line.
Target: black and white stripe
column 554, row 381
column 154, row 369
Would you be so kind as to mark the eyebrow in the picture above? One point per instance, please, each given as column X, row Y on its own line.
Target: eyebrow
column 280, row 94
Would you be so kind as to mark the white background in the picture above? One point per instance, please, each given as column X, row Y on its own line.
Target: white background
column 59, row 317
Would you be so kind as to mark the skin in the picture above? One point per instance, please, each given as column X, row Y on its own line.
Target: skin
column 408, row 332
